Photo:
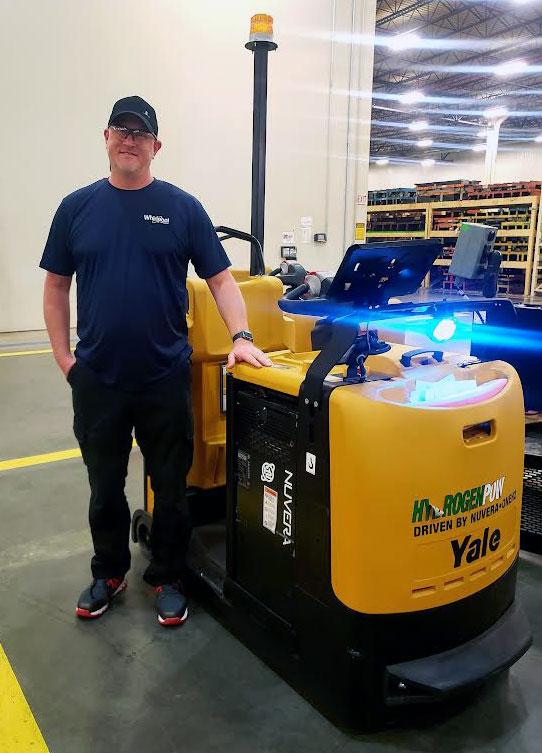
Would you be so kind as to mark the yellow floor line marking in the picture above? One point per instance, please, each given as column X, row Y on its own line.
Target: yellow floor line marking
column 24, row 353
column 49, row 457
column 19, row 732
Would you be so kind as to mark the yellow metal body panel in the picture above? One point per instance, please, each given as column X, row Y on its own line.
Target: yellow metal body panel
column 391, row 550
column 211, row 343
column 207, row 333
column 296, row 332
column 396, row 471
column 286, row 374
column 150, row 495
column 209, row 465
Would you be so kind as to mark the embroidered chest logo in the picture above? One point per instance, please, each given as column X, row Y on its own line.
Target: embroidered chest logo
column 154, row 218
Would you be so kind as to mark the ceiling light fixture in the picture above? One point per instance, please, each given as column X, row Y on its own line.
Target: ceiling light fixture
column 427, row 162
column 496, row 113
column 418, row 125
column 400, row 42
column 410, row 98
column 482, row 134
column 539, row 138
column 478, row 148
column 382, row 161
column 510, row 68
column 424, row 142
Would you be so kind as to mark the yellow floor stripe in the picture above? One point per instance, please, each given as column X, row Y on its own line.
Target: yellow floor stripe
column 49, row 457
column 19, row 732
column 24, row 353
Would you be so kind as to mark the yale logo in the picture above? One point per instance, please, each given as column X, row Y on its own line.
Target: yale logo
column 156, row 219
column 475, row 548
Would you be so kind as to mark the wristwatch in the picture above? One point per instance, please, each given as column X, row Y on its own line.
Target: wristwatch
column 243, row 335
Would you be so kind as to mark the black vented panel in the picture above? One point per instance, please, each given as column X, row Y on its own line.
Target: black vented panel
column 265, row 472
column 266, row 429
column 531, row 511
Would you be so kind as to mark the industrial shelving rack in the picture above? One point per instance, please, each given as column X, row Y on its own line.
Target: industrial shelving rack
column 518, row 223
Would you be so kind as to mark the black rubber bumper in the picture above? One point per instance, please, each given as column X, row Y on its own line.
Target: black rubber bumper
column 451, row 672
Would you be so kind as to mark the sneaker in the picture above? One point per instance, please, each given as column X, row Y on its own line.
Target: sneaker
column 171, row 604
column 96, row 598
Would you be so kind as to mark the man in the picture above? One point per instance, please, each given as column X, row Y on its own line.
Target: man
column 129, row 239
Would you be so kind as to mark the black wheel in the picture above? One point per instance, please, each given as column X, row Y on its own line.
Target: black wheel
column 144, row 540
column 141, row 531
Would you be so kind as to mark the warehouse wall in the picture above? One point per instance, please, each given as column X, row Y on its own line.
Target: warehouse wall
column 510, row 166
column 65, row 63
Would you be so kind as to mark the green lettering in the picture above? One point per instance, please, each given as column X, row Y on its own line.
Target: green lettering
column 456, row 505
column 421, row 506
column 464, row 501
column 447, row 509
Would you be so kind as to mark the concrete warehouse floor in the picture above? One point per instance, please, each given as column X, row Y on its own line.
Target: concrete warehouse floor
column 124, row 683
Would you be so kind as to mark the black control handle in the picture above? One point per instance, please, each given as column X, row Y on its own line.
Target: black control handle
column 295, row 293
column 406, row 358
column 257, row 264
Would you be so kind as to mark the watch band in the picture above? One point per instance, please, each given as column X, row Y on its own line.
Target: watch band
column 243, row 335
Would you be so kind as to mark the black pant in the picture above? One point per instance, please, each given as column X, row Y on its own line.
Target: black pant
column 161, row 416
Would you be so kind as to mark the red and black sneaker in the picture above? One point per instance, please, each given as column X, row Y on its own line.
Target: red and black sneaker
column 96, row 598
column 171, row 604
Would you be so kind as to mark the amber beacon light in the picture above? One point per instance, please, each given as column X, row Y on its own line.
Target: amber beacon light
column 261, row 28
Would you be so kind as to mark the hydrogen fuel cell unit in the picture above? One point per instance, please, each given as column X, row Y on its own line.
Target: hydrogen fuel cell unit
column 369, row 545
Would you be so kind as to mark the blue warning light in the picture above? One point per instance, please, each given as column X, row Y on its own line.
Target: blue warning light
column 444, row 330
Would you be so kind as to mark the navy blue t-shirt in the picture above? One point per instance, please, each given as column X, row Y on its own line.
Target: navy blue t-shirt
column 130, row 252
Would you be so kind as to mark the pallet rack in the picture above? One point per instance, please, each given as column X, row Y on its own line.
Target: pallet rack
column 519, row 230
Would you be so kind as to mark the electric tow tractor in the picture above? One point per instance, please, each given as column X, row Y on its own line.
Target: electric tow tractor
column 366, row 542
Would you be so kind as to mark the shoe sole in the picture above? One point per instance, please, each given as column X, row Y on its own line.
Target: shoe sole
column 85, row 614
column 172, row 621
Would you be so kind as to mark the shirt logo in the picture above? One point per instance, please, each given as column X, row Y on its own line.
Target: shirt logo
column 156, row 219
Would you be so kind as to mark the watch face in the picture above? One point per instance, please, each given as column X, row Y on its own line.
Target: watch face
column 244, row 336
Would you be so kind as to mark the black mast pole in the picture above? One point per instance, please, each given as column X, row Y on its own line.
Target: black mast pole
column 260, row 44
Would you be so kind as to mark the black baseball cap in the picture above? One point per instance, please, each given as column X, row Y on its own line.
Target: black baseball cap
column 135, row 106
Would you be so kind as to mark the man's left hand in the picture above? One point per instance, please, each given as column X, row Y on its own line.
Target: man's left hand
column 247, row 352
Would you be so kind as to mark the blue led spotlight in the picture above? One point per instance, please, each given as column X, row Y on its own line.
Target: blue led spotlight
column 444, row 330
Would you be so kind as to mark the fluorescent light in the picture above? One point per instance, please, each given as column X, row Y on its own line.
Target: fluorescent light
column 424, row 142
column 403, row 41
column 511, row 67
column 495, row 113
column 482, row 134
column 427, row 162
column 478, row 148
column 418, row 125
column 382, row 161
column 410, row 98
column 539, row 138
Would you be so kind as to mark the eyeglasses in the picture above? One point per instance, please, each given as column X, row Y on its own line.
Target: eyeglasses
column 139, row 135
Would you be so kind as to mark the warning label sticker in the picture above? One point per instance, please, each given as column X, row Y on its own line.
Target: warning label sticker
column 270, row 499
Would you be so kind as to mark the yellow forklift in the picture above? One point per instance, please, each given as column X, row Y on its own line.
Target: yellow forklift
column 365, row 543
column 356, row 506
